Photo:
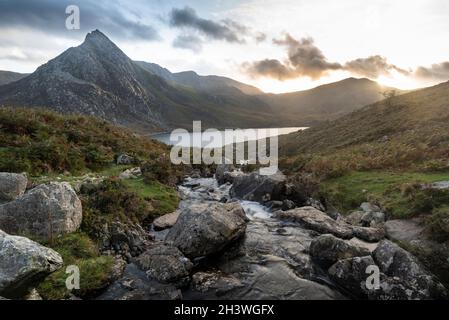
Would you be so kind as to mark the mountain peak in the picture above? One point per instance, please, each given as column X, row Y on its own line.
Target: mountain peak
column 96, row 35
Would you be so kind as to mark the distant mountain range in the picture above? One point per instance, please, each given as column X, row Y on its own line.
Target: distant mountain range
column 97, row 78
column 8, row 77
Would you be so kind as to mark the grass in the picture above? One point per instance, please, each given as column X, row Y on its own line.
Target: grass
column 79, row 250
column 163, row 198
column 392, row 190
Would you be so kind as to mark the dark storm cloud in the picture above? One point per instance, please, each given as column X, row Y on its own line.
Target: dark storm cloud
column 188, row 41
column 49, row 16
column 224, row 30
column 305, row 59
column 439, row 71
column 372, row 67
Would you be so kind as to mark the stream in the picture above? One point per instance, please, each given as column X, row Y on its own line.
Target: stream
column 271, row 262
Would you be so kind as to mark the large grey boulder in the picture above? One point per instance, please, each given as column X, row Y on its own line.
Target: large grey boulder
column 12, row 185
column 23, row 263
column 45, row 211
column 316, row 220
column 259, row 188
column 409, row 277
column 369, row 234
column 221, row 171
column 327, row 249
column 351, row 274
column 164, row 263
column 206, row 228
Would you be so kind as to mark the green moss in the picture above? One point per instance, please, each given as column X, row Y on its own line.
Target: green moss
column 163, row 198
column 438, row 224
column 79, row 250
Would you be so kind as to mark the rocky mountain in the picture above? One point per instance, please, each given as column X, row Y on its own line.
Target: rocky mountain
column 326, row 102
column 201, row 83
column 97, row 78
column 8, row 77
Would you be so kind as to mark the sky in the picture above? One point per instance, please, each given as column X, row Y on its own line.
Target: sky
column 276, row 45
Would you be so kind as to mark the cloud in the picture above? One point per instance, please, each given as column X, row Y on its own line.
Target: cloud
column 188, row 41
column 225, row 30
column 439, row 71
column 304, row 60
column 49, row 16
column 372, row 67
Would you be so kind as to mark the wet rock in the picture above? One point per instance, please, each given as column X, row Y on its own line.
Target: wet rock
column 275, row 279
column 45, row 211
column 206, row 228
column 369, row 234
column 221, row 170
column 164, row 263
column 23, row 263
column 351, row 274
column 327, row 249
column 166, row 221
column 259, row 188
column 288, row 205
column 135, row 285
column 214, row 284
column 316, row 220
column 12, row 186
column 398, row 263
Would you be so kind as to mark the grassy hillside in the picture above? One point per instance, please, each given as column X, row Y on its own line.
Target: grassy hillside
column 385, row 153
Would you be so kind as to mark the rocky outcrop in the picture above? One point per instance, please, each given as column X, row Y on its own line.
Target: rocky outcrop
column 166, row 221
column 206, row 228
column 23, row 263
column 408, row 279
column 45, row 211
column 327, row 249
column 125, row 239
column 369, row 234
column 164, row 263
column 125, row 159
column 133, row 173
column 12, row 186
column 259, row 188
column 316, row 220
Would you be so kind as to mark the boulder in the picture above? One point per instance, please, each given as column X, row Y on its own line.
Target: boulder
column 12, row 186
column 166, row 221
column 23, row 263
column 133, row 173
column 214, row 283
column 164, row 263
column 288, row 205
column 351, row 274
column 220, row 172
column 259, row 188
column 327, row 249
column 45, row 211
column 405, row 230
column 316, row 220
column 369, row 207
column 206, row 228
column 125, row 159
column 355, row 218
column 369, row 234
column 373, row 219
column 398, row 263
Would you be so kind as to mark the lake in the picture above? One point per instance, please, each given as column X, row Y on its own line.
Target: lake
column 187, row 138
